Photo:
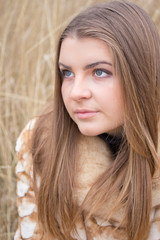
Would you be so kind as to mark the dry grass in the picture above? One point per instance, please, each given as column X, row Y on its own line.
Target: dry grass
column 28, row 32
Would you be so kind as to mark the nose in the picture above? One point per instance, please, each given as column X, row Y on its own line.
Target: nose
column 80, row 89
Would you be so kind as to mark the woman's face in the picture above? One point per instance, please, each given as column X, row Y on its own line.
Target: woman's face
column 91, row 92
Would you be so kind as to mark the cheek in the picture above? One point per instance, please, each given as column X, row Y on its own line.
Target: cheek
column 114, row 100
column 65, row 95
column 63, row 92
column 120, row 100
column 117, row 96
column 119, row 105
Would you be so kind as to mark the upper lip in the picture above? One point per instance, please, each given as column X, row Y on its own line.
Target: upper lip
column 84, row 110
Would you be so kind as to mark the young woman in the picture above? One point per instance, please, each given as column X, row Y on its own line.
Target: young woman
column 88, row 167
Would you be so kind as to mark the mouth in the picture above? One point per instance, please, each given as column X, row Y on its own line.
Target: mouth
column 85, row 114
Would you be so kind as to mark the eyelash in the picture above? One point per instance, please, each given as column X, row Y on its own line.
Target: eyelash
column 62, row 72
column 107, row 72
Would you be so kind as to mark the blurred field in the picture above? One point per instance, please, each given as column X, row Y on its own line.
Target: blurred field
column 28, row 33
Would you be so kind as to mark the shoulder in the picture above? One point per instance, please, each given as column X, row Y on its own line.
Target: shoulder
column 24, row 138
column 41, row 124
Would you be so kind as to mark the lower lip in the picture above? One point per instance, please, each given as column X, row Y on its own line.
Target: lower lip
column 85, row 115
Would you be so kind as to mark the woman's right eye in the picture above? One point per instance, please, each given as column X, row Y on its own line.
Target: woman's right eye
column 67, row 74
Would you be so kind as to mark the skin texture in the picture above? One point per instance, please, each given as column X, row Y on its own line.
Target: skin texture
column 91, row 92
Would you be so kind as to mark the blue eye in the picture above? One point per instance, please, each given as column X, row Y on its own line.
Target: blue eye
column 67, row 74
column 102, row 73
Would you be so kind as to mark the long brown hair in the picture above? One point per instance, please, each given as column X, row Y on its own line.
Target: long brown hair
column 135, row 44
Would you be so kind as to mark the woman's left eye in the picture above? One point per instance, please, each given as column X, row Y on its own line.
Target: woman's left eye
column 102, row 73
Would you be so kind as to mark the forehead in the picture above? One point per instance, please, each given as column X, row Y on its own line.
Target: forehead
column 84, row 49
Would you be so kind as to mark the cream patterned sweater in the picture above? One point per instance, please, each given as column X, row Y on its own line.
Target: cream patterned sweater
column 94, row 158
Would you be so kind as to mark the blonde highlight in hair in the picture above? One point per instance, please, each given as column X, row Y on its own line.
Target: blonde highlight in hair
column 135, row 44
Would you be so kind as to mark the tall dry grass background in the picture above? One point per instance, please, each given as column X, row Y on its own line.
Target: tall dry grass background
column 28, row 33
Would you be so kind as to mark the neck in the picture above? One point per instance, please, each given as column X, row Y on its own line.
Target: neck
column 114, row 142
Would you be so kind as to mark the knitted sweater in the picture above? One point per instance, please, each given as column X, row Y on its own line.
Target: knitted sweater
column 94, row 157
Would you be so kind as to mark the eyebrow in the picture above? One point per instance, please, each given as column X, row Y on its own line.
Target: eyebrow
column 91, row 65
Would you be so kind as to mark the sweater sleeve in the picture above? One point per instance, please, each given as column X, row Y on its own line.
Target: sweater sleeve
column 27, row 210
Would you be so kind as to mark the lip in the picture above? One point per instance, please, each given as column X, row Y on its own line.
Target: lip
column 84, row 113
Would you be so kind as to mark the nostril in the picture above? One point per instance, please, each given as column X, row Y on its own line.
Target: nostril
column 80, row 93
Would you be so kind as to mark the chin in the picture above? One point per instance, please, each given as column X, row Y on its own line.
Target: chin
column 90, row 132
